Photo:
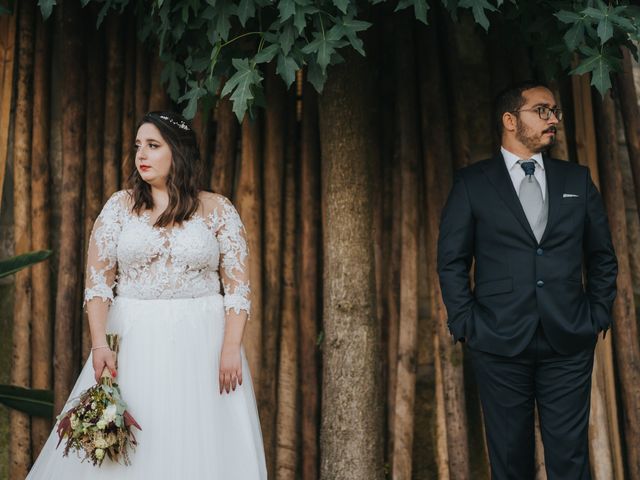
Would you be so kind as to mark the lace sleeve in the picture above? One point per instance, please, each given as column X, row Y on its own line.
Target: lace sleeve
column 234, row 256
column 100, row 277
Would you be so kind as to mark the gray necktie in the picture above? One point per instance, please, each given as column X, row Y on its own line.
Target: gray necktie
column 530, row 193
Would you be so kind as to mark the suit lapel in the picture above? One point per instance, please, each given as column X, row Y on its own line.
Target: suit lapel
column 555, row 177
column 496, row 171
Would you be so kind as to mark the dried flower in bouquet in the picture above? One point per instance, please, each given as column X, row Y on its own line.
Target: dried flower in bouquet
column 99, row 425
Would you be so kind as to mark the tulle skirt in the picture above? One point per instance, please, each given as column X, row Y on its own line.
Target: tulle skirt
column 168, row 375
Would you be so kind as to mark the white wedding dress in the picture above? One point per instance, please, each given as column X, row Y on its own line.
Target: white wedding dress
column 170, row 315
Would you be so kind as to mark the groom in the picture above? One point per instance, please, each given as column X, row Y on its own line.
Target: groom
column 533, row 225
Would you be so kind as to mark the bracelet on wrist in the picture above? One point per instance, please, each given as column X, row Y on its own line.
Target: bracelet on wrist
column 99, row 347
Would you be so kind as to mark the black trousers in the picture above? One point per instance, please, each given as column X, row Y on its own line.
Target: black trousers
column 509, row 388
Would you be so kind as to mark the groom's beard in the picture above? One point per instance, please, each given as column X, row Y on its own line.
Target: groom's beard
column 535, row 142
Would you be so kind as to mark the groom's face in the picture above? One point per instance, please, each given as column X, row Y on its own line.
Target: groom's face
column 533, row 132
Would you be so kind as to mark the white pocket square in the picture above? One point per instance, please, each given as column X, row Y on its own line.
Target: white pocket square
column 570, row 195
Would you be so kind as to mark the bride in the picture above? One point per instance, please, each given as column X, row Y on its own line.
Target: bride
column 166, row 247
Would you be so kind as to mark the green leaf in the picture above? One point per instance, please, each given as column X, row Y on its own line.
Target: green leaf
column 84, row 3
column 17, row 263
column 316, row 77
column 623, row 23
column 342, row 5
column 287, row 37
column 241, row 84
column 286, row 8
column 605, row 29
column 478, row 8
column 600, row 76
column 223, row 24
column 246, row 10
column 594, row 13
column 38, row 403
column 566, row 16
column 193, row 95
column 574, row 36
column 287, row 68
column 421, row 8
column 46, row 7
column 267, row 53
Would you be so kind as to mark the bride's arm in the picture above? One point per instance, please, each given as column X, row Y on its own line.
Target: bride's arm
column 100, row 281
column 234, row 273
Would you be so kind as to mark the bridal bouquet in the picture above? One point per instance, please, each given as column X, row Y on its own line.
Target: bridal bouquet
column 99, row 425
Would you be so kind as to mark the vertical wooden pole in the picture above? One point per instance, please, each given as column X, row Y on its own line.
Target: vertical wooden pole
column 128, row 117
column 587, row 155
column 113, row 107
column 94, row 148
column 73, row 128
column 19, row 423
column 7, row 52
column 308, row 279
column 408, row 153
column 224, row 155
column 274, row 153
column 288, row 381
column 41, row 338
column 625, row 331
column 248, row 204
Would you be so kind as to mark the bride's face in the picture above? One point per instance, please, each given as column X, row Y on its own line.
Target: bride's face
column 153, row 155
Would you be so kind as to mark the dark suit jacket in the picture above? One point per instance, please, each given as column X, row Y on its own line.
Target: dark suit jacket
column 518, row 282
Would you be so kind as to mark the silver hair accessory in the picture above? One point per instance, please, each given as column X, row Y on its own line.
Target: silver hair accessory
column 179, row 124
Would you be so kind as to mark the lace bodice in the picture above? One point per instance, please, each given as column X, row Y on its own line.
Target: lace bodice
column 128, row 254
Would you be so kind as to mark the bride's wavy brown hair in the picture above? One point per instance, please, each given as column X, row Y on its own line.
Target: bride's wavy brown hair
column 182, row 182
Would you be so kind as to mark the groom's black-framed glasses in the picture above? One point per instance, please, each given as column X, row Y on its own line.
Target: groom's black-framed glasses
column 543, row 112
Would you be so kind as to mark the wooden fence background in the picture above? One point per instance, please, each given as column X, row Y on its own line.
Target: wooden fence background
column 70, row 98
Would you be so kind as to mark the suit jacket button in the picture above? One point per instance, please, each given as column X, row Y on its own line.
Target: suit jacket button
column 539, row 251
column 540, row 283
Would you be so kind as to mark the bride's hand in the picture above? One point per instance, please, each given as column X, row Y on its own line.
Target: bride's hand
column 230, row 368
column 103, row 357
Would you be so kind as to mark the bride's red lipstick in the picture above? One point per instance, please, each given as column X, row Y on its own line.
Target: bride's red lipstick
column 144, row 168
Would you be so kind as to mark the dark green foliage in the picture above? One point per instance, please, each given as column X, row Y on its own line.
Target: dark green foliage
column 14, row 264
column 203, row 42
column 38, row 403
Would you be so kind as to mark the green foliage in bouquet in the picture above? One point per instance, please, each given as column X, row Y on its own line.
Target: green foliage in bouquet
column 203, row 42
column 99, row 425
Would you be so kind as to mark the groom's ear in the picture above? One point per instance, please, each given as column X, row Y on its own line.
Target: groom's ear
column 509, row 122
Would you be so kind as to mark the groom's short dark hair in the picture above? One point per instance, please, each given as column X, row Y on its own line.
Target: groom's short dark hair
column 511, row 99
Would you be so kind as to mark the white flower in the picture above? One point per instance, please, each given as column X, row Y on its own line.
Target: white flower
column 109, row 414
column 100, row 442
column 99, row 453
column 101, row 424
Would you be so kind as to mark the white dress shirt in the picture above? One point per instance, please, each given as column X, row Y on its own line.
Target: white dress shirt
column 517, row 173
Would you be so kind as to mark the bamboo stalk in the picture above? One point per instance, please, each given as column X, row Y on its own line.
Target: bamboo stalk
column 393, row 305
column 224, row 155
column 442, row 442
column 41, row 351
column 438, row 165
column 586, row 152
column 274, row 153
column 19, row 423
column 113, row 107
column 143, row 80
column 625, row 333
column 248, row 204
column 128, row 120
column 599, row 445
column 94, row 148
column 309, row 282
column 158, row 97
column 288, row 382
column 69, row 276
column 7, row 52
column 408, row 153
